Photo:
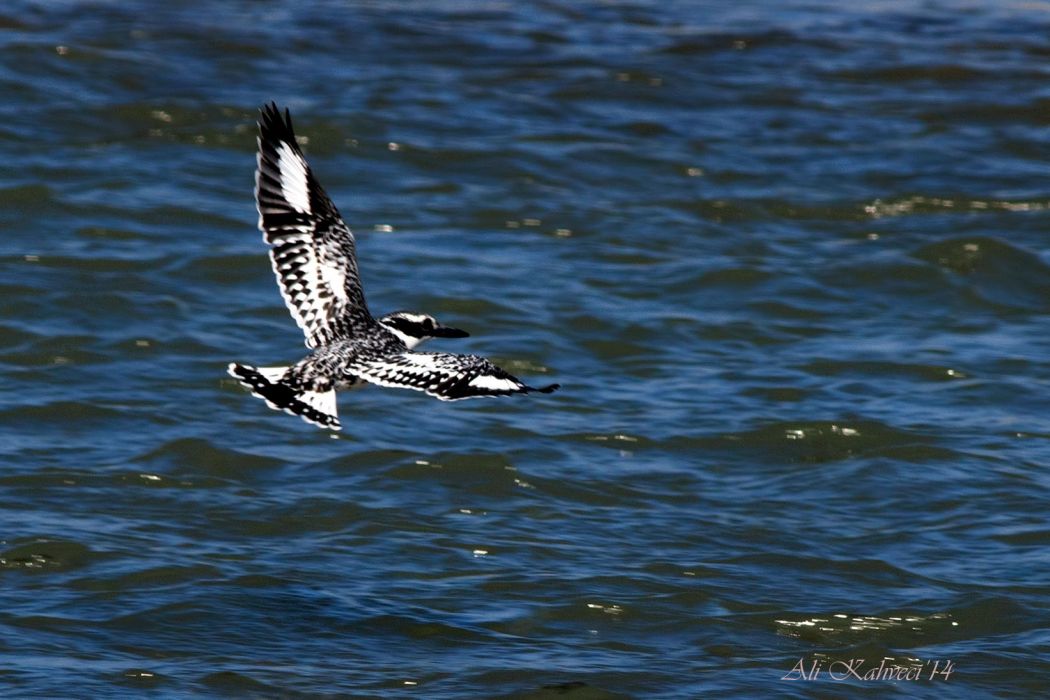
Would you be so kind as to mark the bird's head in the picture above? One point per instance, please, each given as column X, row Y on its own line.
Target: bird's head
column 413, row 329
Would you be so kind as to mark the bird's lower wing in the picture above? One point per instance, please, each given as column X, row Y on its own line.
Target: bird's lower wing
column 443, row 375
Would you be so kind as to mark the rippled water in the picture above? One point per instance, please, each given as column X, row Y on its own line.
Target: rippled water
column 789, row 263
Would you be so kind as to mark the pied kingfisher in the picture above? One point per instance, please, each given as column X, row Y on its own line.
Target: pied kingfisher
column 313, row 257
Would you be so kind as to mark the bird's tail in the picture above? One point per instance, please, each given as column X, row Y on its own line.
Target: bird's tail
column 317, row 407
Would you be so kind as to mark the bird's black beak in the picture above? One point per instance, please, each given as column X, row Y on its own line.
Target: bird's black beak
column 446, row 332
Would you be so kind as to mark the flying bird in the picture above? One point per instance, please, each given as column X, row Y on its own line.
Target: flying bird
column 313, row 255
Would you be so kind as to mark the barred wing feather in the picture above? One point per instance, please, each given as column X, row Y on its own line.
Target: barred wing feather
column 312, row 250
column 443, row 375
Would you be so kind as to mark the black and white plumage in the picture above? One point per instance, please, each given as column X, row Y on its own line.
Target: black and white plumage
column 314, row 258
column 312, row 250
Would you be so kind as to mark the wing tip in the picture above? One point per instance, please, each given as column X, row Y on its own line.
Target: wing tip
column 549, row 389
column 274, row 126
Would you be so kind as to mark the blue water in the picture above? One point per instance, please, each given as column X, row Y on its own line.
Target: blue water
column 789, row 262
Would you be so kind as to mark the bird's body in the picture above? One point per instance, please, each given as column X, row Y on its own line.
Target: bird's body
column 314, row 258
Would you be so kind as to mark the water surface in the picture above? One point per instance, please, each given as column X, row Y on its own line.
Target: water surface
column 789, row 264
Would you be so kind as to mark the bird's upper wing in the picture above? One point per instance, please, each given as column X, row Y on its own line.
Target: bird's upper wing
column 312, row 250
column 443, row 375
